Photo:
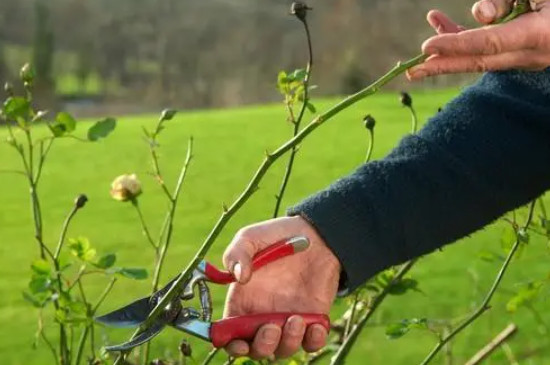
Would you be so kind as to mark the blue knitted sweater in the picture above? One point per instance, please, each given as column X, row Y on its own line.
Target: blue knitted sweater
column 486, row 153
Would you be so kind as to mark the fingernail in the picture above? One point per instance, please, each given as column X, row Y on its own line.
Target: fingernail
column 317, row 333
column 418, row 73
column 237, row 271
column 240, row 349
column 270, row 335
column 296, row 325
column 488, row 10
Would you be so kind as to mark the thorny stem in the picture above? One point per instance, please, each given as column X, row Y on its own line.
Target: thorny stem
column 414, row 122
column 64, row 351
column 168, row 226
column 63, row 234
column 343, row 350
column 35, row 202
column 155, row 159
column 146, row 232
column 172, row 212
column 91, row 313
column 542, row 208
column 485, row 304
column 253, row 185
column 296, row 123
column 351, row 318
column 370, row 148
column 41, row 333
column 210, row 356
column 43, row 154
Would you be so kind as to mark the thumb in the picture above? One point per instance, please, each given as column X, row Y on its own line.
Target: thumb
column 250, row 240
column 487, row 11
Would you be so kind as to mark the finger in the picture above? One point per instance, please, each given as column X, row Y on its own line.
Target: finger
column 293, row 335
column 266, row 341
column 237, row 348
column 513, row 36
column 252, row 239
column 487, row 11
column 442, row 24
column 315, row 338
column 439, row 65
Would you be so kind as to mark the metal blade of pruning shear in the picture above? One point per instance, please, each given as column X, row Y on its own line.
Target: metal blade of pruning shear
column 140, row 339
column 131, row 315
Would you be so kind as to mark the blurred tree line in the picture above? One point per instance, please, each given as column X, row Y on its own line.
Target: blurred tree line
column 209, row 52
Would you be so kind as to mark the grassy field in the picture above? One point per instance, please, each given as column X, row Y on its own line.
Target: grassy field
column 229, row 145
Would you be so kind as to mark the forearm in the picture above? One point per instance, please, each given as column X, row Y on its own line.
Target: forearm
column 486, row 153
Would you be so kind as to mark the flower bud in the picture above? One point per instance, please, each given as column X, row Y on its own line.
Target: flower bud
column 8, row 88
column 125, row 188
column 406, row 99
column 27, row 74
column 299, row 9
column 370, row 122
column 167, row 114
column 185, row 348
column 80, row 201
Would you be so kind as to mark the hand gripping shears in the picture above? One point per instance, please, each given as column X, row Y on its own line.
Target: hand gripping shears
column 198, row 323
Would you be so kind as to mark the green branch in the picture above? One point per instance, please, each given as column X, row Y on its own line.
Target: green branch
column 343, row 350
column 485, row 304
column 296, row 123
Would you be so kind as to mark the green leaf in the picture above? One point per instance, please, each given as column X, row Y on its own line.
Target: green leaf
column 311, row 107
column 168, row 114
column 523, row 236
column 39, row 284
column 298, row 75
column 524, row 296
column 80, row 247
column 282, row 78
column 106, row 261
column 131, row 273
column 244, row 361
column 64, row 124
column 37, row 301
column 77, row 307
column 17, row 108
column 403, row 286
column 41, row 267
column 398, row 330
column 101, row 129
column 490, row 256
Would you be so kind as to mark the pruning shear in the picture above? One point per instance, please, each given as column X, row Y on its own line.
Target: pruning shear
column 198, row 323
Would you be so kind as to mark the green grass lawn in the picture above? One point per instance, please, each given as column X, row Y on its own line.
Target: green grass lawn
column 229, row 145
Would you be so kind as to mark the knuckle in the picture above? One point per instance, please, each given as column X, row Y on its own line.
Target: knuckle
column 460, row 44
column 492, row 43
column 480, row 64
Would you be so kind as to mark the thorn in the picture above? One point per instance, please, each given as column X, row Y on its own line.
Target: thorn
column 225, row 208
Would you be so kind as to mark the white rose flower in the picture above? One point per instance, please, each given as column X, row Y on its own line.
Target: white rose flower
column 125, row 188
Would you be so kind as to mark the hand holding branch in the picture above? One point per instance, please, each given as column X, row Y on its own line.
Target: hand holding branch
column 523, row 43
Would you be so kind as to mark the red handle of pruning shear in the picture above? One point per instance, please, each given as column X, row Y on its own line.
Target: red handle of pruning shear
column 245, row 327
column 272, row 253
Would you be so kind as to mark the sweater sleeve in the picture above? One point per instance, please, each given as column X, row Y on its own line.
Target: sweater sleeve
column 486, row 153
